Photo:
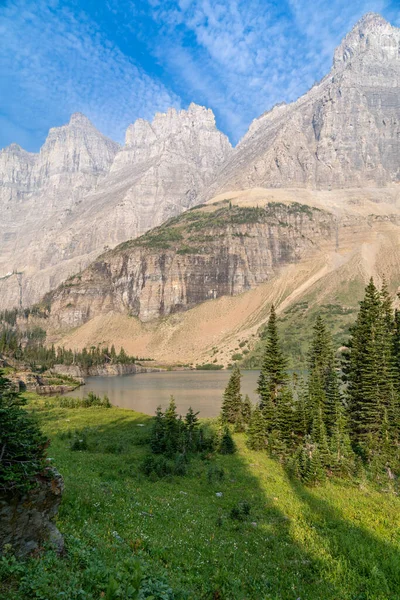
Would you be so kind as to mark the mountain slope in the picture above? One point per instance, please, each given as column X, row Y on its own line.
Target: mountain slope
column 83, row 192
column 344, row 132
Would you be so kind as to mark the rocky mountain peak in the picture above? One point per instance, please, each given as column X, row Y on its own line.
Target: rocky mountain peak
column 372, row 35
column 79, row 119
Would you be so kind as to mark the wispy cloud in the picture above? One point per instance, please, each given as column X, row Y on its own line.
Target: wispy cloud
column 249, row 55
column 238, row 57
column 54, row 61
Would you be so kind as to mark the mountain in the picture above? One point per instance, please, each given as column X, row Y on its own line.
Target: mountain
column 302, row 212
column 198, row 288
column 344, row 132
column 82, row 193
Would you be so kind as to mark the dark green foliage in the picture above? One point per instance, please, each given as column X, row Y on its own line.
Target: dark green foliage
column 257, row 430
column 89, row 401
column 22, row 445
column 241, row 511
column 173, row 440
column 231, row 410
column 273, row 371
column 227, row 445
column 371, row 372
column 215, row 473
column 247, row 409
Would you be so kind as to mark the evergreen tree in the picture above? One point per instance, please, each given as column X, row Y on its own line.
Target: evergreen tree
column 172, row 428
column 273, row 371
column 320, row 438
column 257, row 430
column 231, row 410
column 191, row 428
column 227, row 445
column 22, row 444
column 285, row 417
column 157, row 439
column 371, row 369
column 247, row 409
column 342, row 455
column 323, row 381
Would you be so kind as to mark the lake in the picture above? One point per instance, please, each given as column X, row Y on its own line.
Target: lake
column 202, row 390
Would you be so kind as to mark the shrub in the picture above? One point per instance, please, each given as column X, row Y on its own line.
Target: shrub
column 237, row 356
column 241, row 511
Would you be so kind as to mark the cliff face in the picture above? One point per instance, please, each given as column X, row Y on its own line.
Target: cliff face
column 206, row 253
column 345, row 132
column 83, row 193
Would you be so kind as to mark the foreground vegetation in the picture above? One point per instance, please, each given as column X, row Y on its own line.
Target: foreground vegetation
column 265, row 537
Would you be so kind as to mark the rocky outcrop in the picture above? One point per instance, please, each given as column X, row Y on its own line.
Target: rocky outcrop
column 344, row 132
column 27, row 522
column 101, row 370
column 204, row 254
column 82, row 193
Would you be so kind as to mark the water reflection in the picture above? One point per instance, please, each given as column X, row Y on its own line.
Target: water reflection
column 202, row 390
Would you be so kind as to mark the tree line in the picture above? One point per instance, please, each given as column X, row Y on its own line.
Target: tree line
column 345, row 416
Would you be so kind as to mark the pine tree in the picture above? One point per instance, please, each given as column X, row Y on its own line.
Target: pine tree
column 247, row 409
column 227, row 445
column 171, row 428
column 257, row 430
column 231, row 409
column 157, row 439
column 342, row 455
column 320, row 439
column 285, row 417
column 323, row 381
column 273, row 371
column 371, row 369
column 191, row 427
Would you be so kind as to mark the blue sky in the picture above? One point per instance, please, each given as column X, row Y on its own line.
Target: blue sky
column 117, row 60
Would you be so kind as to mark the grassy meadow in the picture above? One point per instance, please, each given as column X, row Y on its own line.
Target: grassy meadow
column 340, row 541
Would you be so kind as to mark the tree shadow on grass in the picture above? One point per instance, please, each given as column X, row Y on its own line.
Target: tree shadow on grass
column 188, row 526
column 370, row 566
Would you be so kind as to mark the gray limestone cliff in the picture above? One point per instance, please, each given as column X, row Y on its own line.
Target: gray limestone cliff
column 344, row 132
column 204, row 254
column 83, row 193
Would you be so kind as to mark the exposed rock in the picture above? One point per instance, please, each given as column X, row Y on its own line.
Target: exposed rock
column 204, row 254
column 83, row 193
column 27, row 522
column 344, row 132
column 101, row 370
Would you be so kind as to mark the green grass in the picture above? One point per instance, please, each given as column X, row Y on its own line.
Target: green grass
column 337, row 542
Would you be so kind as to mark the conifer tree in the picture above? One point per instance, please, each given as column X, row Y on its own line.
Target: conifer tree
column 371, row 369
column 257, row 430
column 285, row 416
column 323, row 381
column 320, row 438
column 227, row 445
column 273, row 371
column 247, row 409
column 231, row 410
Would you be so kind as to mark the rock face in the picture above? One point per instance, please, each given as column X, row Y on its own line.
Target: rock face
column 101, row 371
column 345, row 132
column 27, row 522
column 204, row 254
column 83, row 193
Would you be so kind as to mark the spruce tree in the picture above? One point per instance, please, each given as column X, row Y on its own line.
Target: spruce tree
column 320, row 438
column 285, row 416
column 247, row 409
column 371, row 369
column 273, row 371
column 323, row 381
column 231, row 410
column 227, row 445
column 257, row 430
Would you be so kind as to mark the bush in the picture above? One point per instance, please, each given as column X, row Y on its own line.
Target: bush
column 241, row 511
column 22, row 444
column 237, row 356
column 209, row 367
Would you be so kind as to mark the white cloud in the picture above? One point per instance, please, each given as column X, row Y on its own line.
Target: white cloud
column 60, row 62
column 243, row 56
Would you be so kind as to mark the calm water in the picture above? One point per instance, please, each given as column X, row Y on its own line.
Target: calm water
column 202, row 390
